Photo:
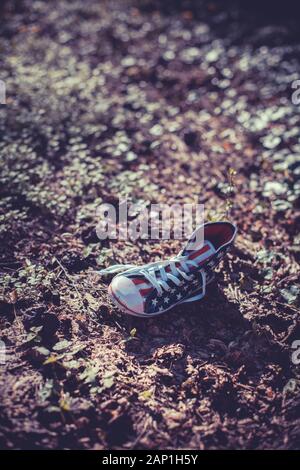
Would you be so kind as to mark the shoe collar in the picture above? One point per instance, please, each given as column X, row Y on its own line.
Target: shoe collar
column 218, row 234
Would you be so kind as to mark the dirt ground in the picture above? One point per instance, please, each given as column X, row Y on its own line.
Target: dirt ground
column 183, row 101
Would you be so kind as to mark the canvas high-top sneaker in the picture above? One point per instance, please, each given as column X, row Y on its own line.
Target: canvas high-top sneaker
column 154, row 288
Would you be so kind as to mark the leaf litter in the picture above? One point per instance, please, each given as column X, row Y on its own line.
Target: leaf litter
column 160, row 102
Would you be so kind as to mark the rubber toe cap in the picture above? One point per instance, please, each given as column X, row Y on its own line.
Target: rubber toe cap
column 127, row 294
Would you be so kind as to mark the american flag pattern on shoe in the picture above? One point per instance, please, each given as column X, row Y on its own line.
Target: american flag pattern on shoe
column 155, row 288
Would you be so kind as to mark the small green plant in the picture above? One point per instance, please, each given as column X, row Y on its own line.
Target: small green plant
column 228, row 189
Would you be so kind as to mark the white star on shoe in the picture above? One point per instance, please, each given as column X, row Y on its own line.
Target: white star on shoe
column 154, row 302
column 167, row 300
column 160, row 309
column 178, row 296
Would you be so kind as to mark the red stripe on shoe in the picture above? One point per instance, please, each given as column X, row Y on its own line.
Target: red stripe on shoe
column 145, row 292
column 137, row 281
column 203, row 250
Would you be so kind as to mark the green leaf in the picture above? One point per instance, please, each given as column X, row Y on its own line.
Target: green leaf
column 52, row 359
column 108, row 380
column 146, row 394
column 61, row 345
column 73, row 364
column 46, row 391
column 291, row 294
column 90, row 374
column 42, row 350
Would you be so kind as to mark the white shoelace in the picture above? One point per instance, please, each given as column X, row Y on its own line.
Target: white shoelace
column 157, row 275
